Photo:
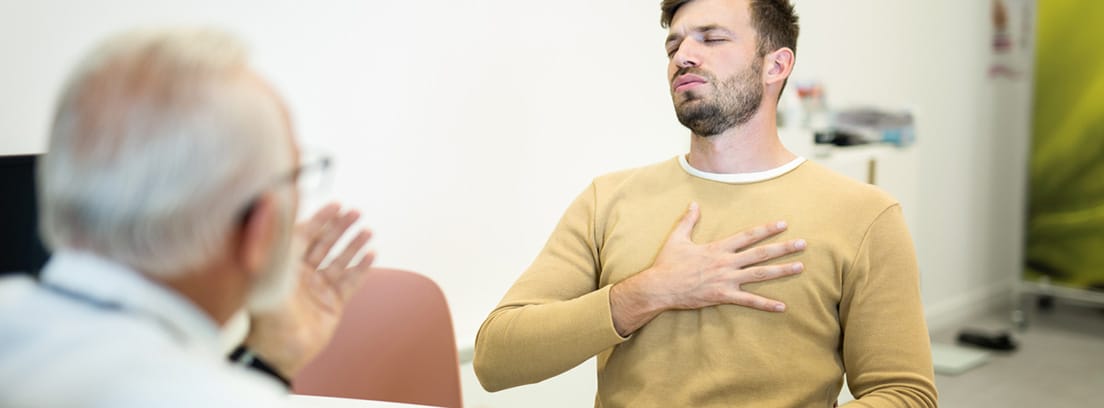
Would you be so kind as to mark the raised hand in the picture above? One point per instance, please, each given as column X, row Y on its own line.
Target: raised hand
column 290, row 336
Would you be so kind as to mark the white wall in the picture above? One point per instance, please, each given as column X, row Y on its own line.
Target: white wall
column 463, row 128
column 973, row 135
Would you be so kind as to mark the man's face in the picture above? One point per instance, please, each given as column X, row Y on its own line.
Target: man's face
column 714, row 68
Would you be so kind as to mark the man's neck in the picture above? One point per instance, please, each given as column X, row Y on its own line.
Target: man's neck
column 751, row 147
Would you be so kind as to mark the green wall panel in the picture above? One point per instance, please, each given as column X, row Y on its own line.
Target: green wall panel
column 1065, row 237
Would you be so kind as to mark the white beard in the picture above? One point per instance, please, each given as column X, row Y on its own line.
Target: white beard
column 281, row 275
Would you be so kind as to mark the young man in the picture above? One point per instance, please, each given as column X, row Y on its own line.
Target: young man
column 694, row 316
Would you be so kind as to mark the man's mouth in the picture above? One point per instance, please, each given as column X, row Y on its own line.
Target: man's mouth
column 687, row 81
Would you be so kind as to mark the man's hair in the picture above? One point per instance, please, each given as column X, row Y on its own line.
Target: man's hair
column 774, row 20
column 160, row 140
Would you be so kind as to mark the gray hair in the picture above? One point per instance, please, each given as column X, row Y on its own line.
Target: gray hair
column 160, row 140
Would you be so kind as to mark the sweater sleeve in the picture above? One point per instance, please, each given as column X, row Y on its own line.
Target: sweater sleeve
column 555, row 316
column 886, row 347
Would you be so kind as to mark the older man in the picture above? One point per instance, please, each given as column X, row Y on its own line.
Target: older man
column 690, row 316
column 169, row 194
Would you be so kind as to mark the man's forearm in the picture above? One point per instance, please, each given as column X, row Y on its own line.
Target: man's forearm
column 527, row 343
column 890, row 397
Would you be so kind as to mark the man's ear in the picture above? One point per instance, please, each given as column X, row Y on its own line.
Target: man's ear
column 778, row 66
column 259, row 231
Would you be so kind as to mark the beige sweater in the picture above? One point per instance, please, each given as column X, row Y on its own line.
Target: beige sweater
column 855, row 310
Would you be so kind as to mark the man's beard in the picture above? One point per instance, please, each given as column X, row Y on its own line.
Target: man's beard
column 281, row 271
column 736, row 100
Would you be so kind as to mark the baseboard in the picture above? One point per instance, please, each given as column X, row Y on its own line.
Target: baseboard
column 968, row 306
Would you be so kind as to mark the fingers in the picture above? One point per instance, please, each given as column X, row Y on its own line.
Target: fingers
column 757, row 302
column 313, row 226
column 749, row 237
column 769, row 272
column 687, row 223
column 366, row 261
column 354, row 278
column 765, row 253
column 328, row 236
column 342, row 273
column 345, row 258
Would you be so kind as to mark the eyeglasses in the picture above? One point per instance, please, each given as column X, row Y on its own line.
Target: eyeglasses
column 310, row 177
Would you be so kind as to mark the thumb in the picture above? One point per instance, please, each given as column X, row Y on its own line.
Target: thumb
column 687, row 223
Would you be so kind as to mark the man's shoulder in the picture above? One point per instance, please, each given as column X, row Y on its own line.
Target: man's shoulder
column 31, row 316
column 108, row 360
column 62, row 353
column 14, row 290
column 155, row 383
column 189, row 383
column 832, row 187
column 655, row 172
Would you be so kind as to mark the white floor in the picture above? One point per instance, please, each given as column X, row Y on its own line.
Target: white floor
column 1060, row 363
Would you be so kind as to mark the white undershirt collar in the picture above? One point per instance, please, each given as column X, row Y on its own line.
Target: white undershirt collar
column 741, row 178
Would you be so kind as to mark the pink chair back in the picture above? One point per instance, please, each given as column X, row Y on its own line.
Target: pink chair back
column 395, row 343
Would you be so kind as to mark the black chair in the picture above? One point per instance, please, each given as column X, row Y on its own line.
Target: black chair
column 21, row 250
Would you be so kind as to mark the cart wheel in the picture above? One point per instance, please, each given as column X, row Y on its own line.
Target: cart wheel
column 1045, row 303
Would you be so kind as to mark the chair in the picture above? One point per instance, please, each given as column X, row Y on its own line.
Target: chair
column 395, row 343
column 21, row 250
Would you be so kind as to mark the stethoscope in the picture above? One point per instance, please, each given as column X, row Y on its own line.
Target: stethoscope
column 115, row 307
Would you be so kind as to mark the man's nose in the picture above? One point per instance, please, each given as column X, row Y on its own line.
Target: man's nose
column 687, row 56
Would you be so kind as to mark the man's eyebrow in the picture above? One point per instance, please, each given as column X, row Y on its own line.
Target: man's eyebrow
column 701, row 29
column 712, row 27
